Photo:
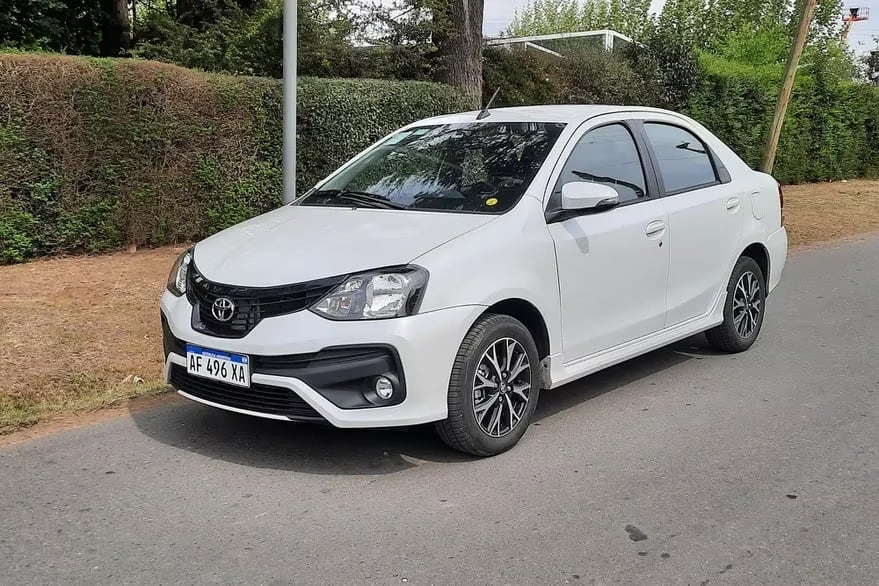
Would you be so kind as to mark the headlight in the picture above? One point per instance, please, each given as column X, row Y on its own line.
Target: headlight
column 375, row 295
column 180, row 273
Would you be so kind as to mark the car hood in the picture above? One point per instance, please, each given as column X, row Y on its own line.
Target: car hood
column 301, row 243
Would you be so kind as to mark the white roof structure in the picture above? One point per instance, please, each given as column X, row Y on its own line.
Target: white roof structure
column 562, row 43
column 562, row 113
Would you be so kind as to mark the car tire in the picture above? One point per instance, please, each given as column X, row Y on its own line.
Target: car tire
column 744, row 308
column 489, row 406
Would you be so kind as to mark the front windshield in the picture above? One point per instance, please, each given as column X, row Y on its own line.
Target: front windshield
column 471, row 167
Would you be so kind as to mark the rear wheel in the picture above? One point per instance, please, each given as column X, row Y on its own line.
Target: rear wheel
column 744, row 308
column 494, row 387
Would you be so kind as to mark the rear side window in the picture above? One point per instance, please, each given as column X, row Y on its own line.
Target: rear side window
column 684, row 160
column 607, row 155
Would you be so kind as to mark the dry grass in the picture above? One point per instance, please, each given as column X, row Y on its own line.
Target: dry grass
column 74, row 329
column 819, row 212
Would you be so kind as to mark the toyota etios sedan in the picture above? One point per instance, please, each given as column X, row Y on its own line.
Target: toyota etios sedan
column 462, row 264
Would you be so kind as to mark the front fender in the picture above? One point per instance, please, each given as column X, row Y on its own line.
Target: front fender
column 510, row 258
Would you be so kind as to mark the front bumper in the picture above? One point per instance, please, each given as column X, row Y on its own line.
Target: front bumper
column 422, row 349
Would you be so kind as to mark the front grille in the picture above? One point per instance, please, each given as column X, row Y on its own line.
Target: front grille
column 258, row 398
column 252, row 304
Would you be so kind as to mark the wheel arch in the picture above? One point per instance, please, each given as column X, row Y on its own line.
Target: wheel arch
column 760, row 254
column 531, row 317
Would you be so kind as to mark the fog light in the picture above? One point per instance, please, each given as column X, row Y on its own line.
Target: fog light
column 384, row 387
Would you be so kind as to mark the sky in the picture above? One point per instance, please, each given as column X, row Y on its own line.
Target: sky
column 861, row 36
column 499, row 13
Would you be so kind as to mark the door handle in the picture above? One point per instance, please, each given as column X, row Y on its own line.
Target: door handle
column 733, row 204
column 655, row 229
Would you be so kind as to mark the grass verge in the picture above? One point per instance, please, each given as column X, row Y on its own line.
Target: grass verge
column 19, row 412
column 76, row 333
column 820, row 212
column 79, row 334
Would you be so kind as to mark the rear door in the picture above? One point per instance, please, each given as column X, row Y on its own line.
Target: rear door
column 705, row 216
column 612, row 264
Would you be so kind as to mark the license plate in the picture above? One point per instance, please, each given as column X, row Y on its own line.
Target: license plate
column 216, row 365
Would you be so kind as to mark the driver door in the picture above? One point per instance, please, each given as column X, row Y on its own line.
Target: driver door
column 612, row 264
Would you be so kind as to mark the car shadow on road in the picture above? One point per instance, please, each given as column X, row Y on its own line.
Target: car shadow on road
column 322, row 449
column 576, row 393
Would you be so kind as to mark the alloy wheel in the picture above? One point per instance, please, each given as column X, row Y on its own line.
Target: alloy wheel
column 501, row 387
column 747, row 305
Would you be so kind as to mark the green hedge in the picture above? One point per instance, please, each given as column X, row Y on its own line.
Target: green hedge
column 337, row 118
column 100, row 154
column 831, row 130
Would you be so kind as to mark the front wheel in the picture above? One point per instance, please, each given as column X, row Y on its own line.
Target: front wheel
column 744, row 308
column 494, row 387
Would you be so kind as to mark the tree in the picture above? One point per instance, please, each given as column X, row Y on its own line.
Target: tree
column 67, row 26
column 246, row 36
column 668, row 62
column 458, row 39
column 186, row 11
column 79, row 27
column 705, row 24
column 660, row 69
column 871, row 65
column 687, row 20
column 325, row 29
column 540, row 17
column 115, row 29
column 629, row 17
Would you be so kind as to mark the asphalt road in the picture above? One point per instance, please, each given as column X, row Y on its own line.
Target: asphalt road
column 756, row 468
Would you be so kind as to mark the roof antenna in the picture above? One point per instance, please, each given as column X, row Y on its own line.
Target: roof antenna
column 485, row 113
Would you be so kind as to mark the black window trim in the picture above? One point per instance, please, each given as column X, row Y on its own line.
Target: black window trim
column 721, row 174
column 647, row 167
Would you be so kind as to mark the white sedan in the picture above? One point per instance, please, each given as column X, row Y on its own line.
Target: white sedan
column 462, row 264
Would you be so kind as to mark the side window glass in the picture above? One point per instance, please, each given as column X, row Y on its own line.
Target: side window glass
column 607, row 155
column 684, row 162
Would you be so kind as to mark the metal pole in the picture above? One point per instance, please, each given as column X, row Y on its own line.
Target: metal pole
column 787, row 85
column 290, row 38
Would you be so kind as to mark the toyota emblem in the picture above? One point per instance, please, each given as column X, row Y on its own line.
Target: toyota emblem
column 223, row 309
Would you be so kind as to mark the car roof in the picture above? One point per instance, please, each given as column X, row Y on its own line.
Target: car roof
column 566, row 114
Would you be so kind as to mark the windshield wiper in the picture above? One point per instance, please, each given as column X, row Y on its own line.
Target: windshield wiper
column 363, row 198
column 368, row 198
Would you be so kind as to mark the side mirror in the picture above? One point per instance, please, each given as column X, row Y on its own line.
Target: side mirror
column 583, row 195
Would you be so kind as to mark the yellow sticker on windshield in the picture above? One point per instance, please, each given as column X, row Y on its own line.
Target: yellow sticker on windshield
column 492, row 201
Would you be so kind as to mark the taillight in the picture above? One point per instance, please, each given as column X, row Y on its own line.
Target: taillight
column 781, row 203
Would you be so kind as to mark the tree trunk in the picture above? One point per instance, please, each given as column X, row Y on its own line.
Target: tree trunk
column 458, row 38
column 116, row 29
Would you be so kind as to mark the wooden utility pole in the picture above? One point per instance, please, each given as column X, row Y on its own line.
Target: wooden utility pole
column 787, row 84
column 291, row 37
